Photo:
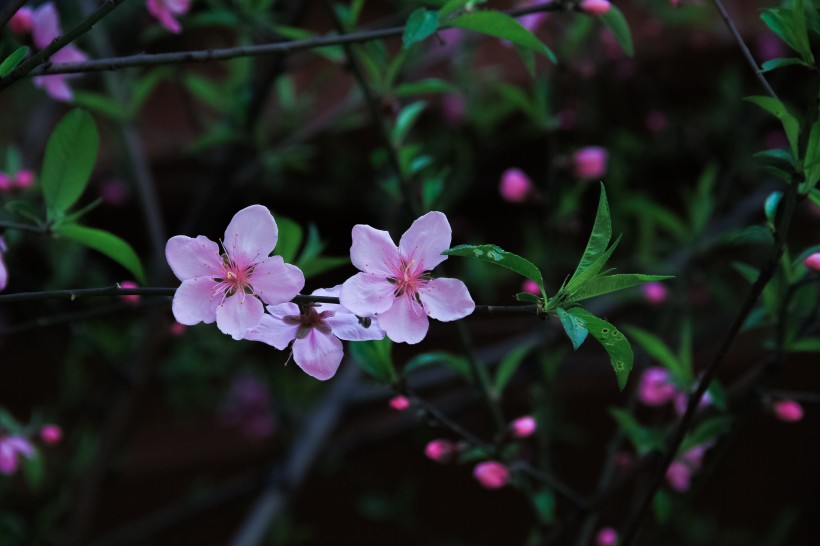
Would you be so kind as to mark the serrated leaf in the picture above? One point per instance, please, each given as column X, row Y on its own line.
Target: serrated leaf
column 575, row 327
column 495, row 255
column 662, row 506
column 612, row 283
column 374, row 358
column 506, row 370
column 778, row 110
column 458, row 364
column 658, row 351
column 421, row 24
column 105, row 243
column 616, row 22
column 501, row 25
column 11, row 62
column 33, row 471
column 69, row 159
column 776, row 154
column 613, row 342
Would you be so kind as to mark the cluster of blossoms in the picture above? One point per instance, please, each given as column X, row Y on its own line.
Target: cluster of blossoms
column 19, row 180
column 13, row 447
column 656, row 388
column 248, row 293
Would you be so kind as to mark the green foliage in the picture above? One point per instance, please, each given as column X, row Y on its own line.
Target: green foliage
column 501, row 25
column 405, row 121
column 420, row 25
column 575, row 327
column 496, row 255
column 105, row 243
column 790, row 25
column 11, row 62
column 458, row 364
column 612, row 340
column 375, row 358
column 790, row 123
column 509, row 365
column 616, row 22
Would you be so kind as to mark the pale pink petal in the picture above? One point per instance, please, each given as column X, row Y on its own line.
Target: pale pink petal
column 273, row 331
column 275, row 281
column 404, row 322
column 8, row 459
column 191, row 258
column 345, row 325
column 238, row 314
column 68, row 54
column 252, row 234
column 446, row 299
column 329, row 292
column 167, row 20
column 318, row 354
column 4, row 274
column 373, row 251
column 178, row 6
column 21, row 445
column 56, row 87
column 426, row 239
column 45, row 25
column 284, row 310
column 365, row 294
column 195, row 302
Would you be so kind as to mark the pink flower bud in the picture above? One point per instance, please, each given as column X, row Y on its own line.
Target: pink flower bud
column 679, row 476
column 399, row 403
column 24, row 179
column 491, row 474
column 441, row 451
column 530, row 287
column 590, row 162
column 595, row 7
column 813, row 262
column 606, row 537
column 21, row 22
column 788, row 411
column 129, row 299
column 515, row 186
column 5, row 182
column 655, row 292
column 523, row 426
column 654, row 388
column 177, row 329
column 51, row 434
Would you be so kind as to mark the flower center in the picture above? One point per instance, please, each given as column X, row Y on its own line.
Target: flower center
column 234, row 279
column 408, row 277
column 308, row 319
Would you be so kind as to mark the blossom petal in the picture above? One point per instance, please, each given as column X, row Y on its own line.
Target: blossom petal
column 8, row 460
column 373, row 251
column 251, row 236
column 178, row 6
column 55, row 86
column 68, row 54
column 238, row 314
column 45, row 25
column 318, row 354
column 446, row 299
column 404, row 322
column 191, row 258
column 426, row 239
column 275, row 281
column 194, row 301
column 4, row 274
column 365, row 294
column 345, row 325
column 21, row 445
column 273, row 331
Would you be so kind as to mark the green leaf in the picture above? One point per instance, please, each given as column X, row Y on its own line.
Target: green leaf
column 770, row 207
column 497, row 256
column 544, row 502
column 612, row 340
column 778, row 110
column 105, row 243
column 718, row 394
column 616, row 22
column 290, row 238
column 706, row 431
column 526, row 296
column 658, row 351
column 102, row 104
column 420, row 25
column 811, row 161
column 320, row 264
column 406, row 119
column 11, row 62
column 806, row 345
column 421, row 87
column 501, row 25
column 644, row 439
column 25, row 210
column 458, row 364
column 205, row 90
column 33, row 470
column 790, row 26
column 450, row 7
column 506, row 370
column 374, row 358
column 575, row 327
column 69, row 159
column 612, row 283
column 662, row 506
column 776, row 154
column 579, row 281
column 772, row 64
column 600, row 236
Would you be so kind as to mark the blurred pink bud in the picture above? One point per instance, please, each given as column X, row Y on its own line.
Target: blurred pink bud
column 114, row 192
column 590, row 162
column 177, row 329
column 813, row 261
column 5, row 182
column 530, row 287
column 24, row 179
column 51, row 434
column 654, row 388
column 655, row 292
column 491, row 474
column 606, row 537
column 441, row 451
column 399, row 403
column 21, row 22
column 515, row 186
column 523, row 426
column 129, row 299
column 595, row 7
column 656, row 121
column 788, row 411
column 679, row 476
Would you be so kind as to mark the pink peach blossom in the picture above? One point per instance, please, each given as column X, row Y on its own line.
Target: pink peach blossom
column 440, row 451
column 56, row 86
column 395, row 282
column 590, row 162
column 491, row 474
column 4, row 274
column 166, row 12
column 515, row 186
column 51, row 434
column 523, row 426
column 21, row 21
column 315, row 330
column 530, row 287
column 788, row 411
column 399, row 403
column 45, row 25
column 655, row 292
column 11, row 448
column 813, row 261
column 231, row 287
column 606, row 537
column 654, row 388
column 595, row 7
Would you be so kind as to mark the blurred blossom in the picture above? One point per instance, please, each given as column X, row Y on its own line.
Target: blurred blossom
column 51, row 434
column 679, row 476
column 11, row 448
column 166, row 12
column 654, row 388
column 530, row 287
column 45, row 28
column 523, row 427
column 655, row 292
column 595, row 7
column 606, row 537
column 590, row 162
column 132, row 299
column 5, row 181
column 789, row 411
column 4, row 274
column 770, row 47
column 450, row 41
column 453, row 107
column 114, row 192
column 813, row 261
column 176, row 329
column 491, row 474
column 24, row 179
column 21, row 21
column 533, row 20
column 682, row 400
column 515, row 186
column 441, row 451
column 399, row 403
column 656, row 121
column 248, row 405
